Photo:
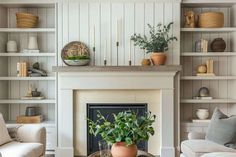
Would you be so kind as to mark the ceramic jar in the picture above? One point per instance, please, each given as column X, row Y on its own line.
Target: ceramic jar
column 158, row 58
column 120, row 149
column 11, row 46
column 202, row 113
column 146, row 62
column 33, row 43
column 218, row 45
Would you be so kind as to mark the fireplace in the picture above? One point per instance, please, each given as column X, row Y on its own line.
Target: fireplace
column 80, row 85
column 106, row 110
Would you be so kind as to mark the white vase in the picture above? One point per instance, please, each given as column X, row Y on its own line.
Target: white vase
column 33, row 43
column 202, row 113
column 11, row 46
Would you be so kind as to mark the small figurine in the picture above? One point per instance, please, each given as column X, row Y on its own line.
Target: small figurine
column 190, row 19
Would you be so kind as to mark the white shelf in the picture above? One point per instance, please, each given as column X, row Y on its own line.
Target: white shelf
column 41, row 54
column 208, row 54
column 21, row 101
column 208, row 3
column 27, row 78
column 208, row 77
column 18, row 30
column 44, row 123
column 212, row 101
column 225, row 29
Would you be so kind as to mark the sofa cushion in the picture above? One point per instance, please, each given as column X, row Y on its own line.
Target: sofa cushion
column 222, row 129
column 220, row 154
column 5, row 137
column 196, row 148
column 17, row 149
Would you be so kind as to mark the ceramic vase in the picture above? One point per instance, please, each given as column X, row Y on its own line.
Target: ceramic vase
column 158, row 58
column 11, row 46
column 120, row 149
column 33, row 43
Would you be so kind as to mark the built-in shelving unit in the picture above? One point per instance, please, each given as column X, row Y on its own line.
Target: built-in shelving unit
column 13, row 88
column 222, row 86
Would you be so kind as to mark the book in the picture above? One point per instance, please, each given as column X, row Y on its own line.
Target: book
column 29, row 119
column 203, row 98
column 201, row 120
column 205, row 74
column 30, row 51
column 32, row 98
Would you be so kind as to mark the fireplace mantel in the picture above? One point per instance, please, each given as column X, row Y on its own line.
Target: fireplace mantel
column 123, row 77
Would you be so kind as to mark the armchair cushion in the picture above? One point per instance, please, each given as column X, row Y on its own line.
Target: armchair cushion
column 3, row 132
column 196, row 148
column 17, row 149
column 222, row 129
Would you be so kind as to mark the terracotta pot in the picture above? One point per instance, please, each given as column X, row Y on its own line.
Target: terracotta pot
column 146, row 62
column 158, row 58
column 120, row 149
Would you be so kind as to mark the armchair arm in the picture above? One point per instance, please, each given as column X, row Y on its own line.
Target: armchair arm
column 31, row 133
column 196, row 135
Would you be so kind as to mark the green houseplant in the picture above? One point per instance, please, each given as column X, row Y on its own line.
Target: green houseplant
column 157, row 43
column 125, row 132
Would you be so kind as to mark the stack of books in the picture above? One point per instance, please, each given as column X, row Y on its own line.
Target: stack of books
column 22, row 69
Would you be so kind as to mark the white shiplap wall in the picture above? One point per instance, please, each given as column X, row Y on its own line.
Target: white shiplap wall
column 77, row 18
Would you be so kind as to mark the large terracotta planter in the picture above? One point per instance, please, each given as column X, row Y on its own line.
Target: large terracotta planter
column 158, row 58
column 120, row 149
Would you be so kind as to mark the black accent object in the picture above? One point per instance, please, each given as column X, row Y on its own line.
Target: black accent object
column 107, row 109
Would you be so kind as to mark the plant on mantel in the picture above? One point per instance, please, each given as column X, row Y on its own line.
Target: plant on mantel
column 125, row 132
column 158, row 42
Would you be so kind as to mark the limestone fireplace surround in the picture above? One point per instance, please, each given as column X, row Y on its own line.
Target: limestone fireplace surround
column 72, row 79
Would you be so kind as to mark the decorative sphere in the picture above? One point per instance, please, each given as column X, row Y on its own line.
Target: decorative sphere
column 203, row 92
column 202, row 113
column 202, row 69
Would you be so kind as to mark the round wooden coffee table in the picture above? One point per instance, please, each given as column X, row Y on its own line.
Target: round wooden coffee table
column 140, row 154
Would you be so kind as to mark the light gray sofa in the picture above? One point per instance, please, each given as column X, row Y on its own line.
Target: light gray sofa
column 197, row 146
column 31, row 142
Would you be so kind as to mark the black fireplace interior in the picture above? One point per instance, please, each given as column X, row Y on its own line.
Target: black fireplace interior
column 108, row 109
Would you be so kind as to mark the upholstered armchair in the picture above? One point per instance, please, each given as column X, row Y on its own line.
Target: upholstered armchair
column 27, row 141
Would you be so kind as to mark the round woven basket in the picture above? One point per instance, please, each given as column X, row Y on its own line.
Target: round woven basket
column 26, row 20
column 211, row 20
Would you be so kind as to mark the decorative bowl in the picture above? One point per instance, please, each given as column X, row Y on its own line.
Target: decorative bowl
column 202, row 113
column 75, row 54
column 77, row 62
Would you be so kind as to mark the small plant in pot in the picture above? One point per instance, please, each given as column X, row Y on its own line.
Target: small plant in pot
column 158, row 42
column 124, row 132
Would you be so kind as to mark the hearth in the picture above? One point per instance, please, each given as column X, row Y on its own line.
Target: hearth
column 107, row 109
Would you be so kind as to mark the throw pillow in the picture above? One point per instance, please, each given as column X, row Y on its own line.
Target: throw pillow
column 222, row 129
column 13, row 133
column 4, row 138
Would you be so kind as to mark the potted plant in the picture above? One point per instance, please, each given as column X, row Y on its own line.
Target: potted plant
column 124, row 132
column 157, row 43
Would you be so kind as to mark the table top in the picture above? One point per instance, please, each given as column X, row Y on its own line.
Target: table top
column 140, row 154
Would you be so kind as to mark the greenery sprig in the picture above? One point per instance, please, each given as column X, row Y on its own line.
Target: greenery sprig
column 127, row 127
column 158, row 41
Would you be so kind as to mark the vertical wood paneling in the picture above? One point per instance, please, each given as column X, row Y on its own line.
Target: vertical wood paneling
column 74, row 21
column 105, row 34
column 84, row 22
column 139, row 29
column 129, row 30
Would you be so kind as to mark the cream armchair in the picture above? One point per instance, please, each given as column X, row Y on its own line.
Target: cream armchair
column 198, row 146
column 30, row 141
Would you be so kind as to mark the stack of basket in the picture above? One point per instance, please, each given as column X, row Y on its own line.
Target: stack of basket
column 211, row 20
column 26, row 20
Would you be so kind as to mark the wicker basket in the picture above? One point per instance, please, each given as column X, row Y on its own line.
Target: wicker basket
column 211, row 20
column 26, row 20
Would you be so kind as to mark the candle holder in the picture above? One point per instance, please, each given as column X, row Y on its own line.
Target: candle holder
column 94, row 57
column 130, row 62
column 105, row 62
column 117, row 52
